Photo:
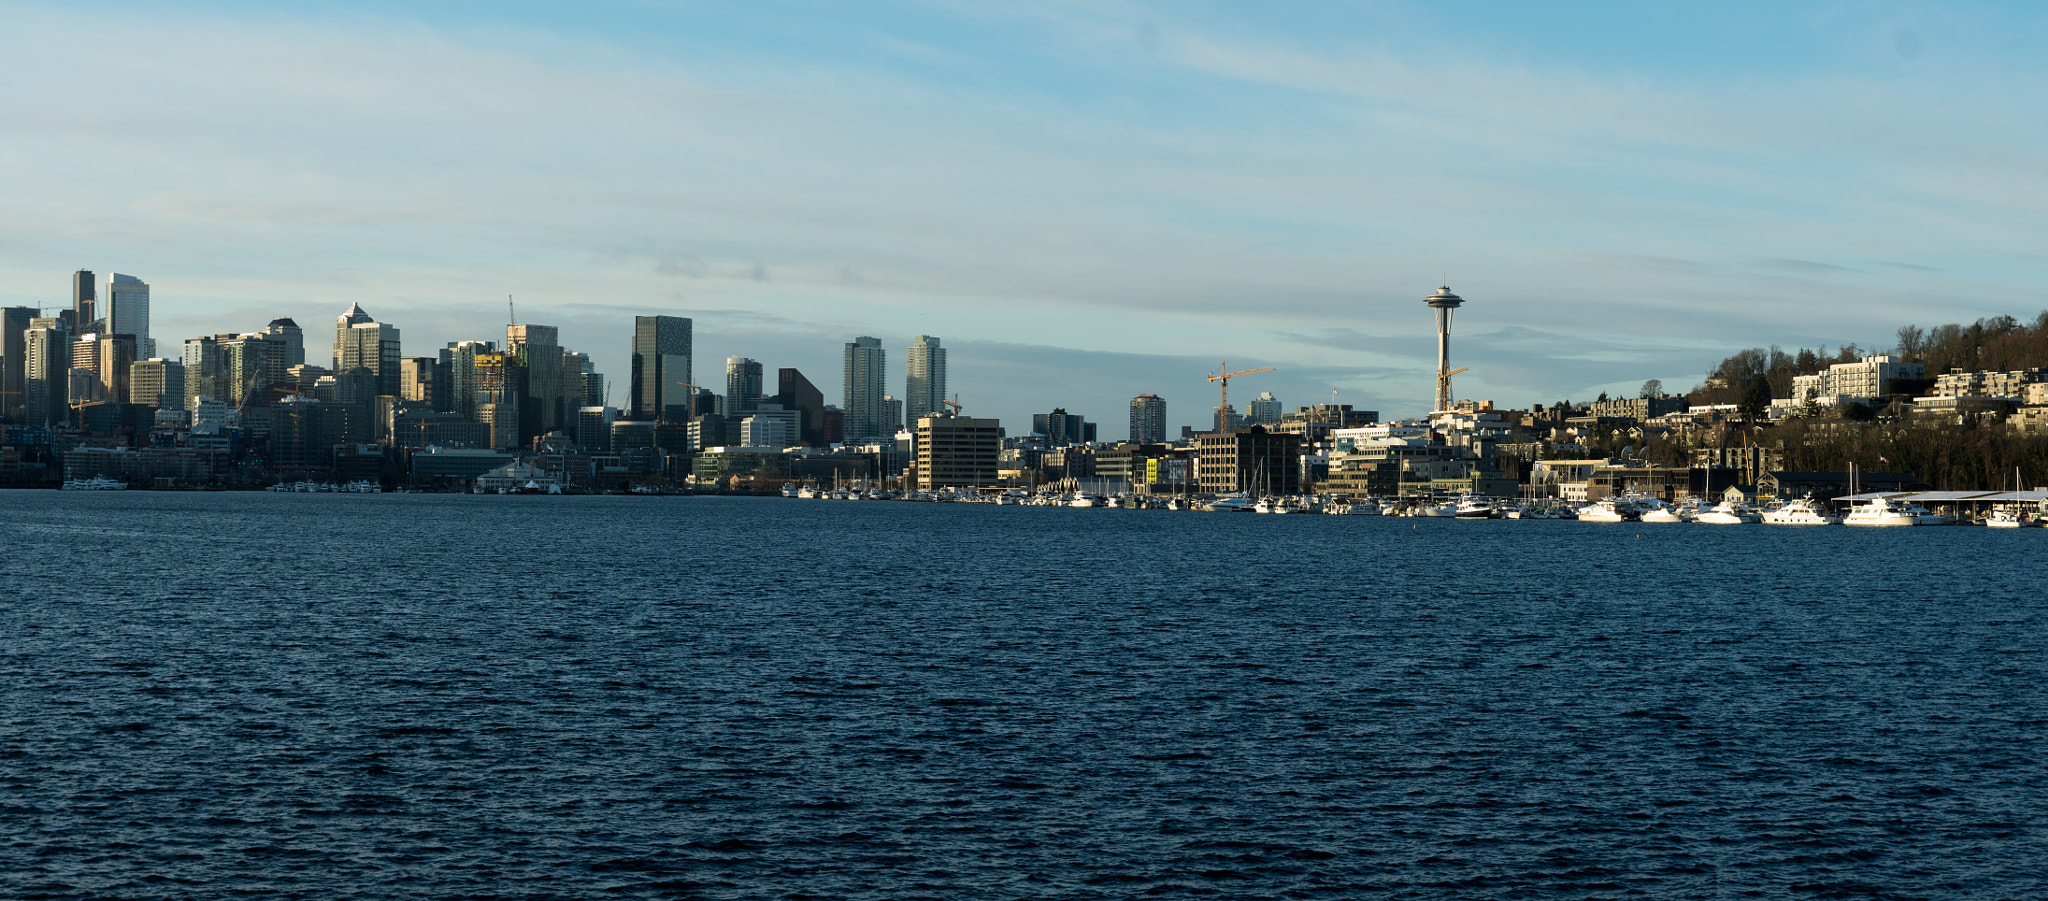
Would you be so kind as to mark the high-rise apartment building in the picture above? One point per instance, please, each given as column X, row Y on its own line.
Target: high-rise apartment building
column 662, row 387
column 924, row 386
column 204, row 371
column 1148, row 419
column 157, row 382
column 364, row 343
column 459, row 360
column 84, row 309
column 128, row 311
column 1061, row 428
column 1264, row 409
column 892, row 416
column 14, row 326
column 866, row 369
column 46, row 355
column 742, row 385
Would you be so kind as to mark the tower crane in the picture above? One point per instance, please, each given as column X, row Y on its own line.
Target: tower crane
column 1443, row 383
column 1224, row 379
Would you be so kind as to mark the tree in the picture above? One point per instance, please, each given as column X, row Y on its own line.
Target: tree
column 1601, row 399
column 1653, row 388
column 1755, row 402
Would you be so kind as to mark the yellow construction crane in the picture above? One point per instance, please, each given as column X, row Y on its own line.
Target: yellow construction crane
column 1443, row 382
column 1225, row 378
column 954, row 403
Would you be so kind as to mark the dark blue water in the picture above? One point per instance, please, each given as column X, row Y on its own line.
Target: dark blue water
column 442, row 697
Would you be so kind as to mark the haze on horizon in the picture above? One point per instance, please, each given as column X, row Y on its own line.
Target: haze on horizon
column 1085, row 201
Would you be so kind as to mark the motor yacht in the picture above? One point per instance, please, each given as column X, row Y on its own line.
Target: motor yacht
column 1084, row 499
column 1882, row 512
column 1658, row 511
column 1236, row 503
column 2005, row 519
column 1730, row 513
column 1473, row 507
column 1799, row 512
column 1607, row 510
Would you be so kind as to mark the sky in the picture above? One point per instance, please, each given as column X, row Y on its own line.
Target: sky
column 1084, row 201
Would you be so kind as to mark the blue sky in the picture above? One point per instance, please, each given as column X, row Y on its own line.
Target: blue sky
column 1086, row 201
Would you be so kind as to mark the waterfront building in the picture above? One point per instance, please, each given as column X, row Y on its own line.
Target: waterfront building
column 662, row 387
column 924, row 386
column 794, row 392
column 1061, row 428
column 361, row 342
column 956, row 451
column 1249, row 459
column 157, row 382
column 1148, row 419
column 866, row 370
column 46, row 372
column 84, row 304
column 14, row 326
column 742, row 385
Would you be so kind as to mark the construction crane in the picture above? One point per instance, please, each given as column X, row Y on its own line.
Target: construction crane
column 954, row 403
column 693, row 399
column 1224, row 403
column 1443, row 382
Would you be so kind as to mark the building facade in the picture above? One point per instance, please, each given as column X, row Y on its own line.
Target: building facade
column 1250, row 460
column 956, row 452
column 662, row 387
column 742, row 385
column 1148, row 419
column 128, row 311
column 924, row 386
column 866, row 370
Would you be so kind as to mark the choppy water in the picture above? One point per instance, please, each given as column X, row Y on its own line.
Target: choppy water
column 441, row 697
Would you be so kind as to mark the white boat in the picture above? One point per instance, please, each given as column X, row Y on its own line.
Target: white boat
column 807, row 493
column 2005, row 519
column 1445, row 510
column 1472, row 507
column 1236, row 503
column 1658, row 511
column 1799, row 512
column 1881, row 512
column 96, row 483
column 789, row 489
column 1606, row 510
column 1730, row 513
column 1084, row 499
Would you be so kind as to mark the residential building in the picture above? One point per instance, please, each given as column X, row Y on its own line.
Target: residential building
column 1860, row 381
column 1263, row 410
column 594, row 428
column 924, row 387
column 742, row 385
column 892, row 416
column 662, row 387
column 1148, row 419
column 866, row 369
column 956, row 451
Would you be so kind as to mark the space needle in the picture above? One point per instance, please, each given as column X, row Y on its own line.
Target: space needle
column 1444, row 303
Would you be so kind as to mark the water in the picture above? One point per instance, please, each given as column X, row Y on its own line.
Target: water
column 394, row 696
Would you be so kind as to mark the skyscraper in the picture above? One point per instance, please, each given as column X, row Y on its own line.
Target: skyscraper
column 459, row 358
column 742, row 385
column 291, row 336
column 794, row 392
column 924, row 387
column 204, row 370
column 14, row 326
column 536, row 348
column 1148, row 419
column 46, row 378
column 362, row 342
column 1061, row 428
column 866, row 369
column 662, row 387
column 83, row 311
column 128, row 312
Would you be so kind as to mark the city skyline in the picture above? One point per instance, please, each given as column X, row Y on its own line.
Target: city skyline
column 1088, row 204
